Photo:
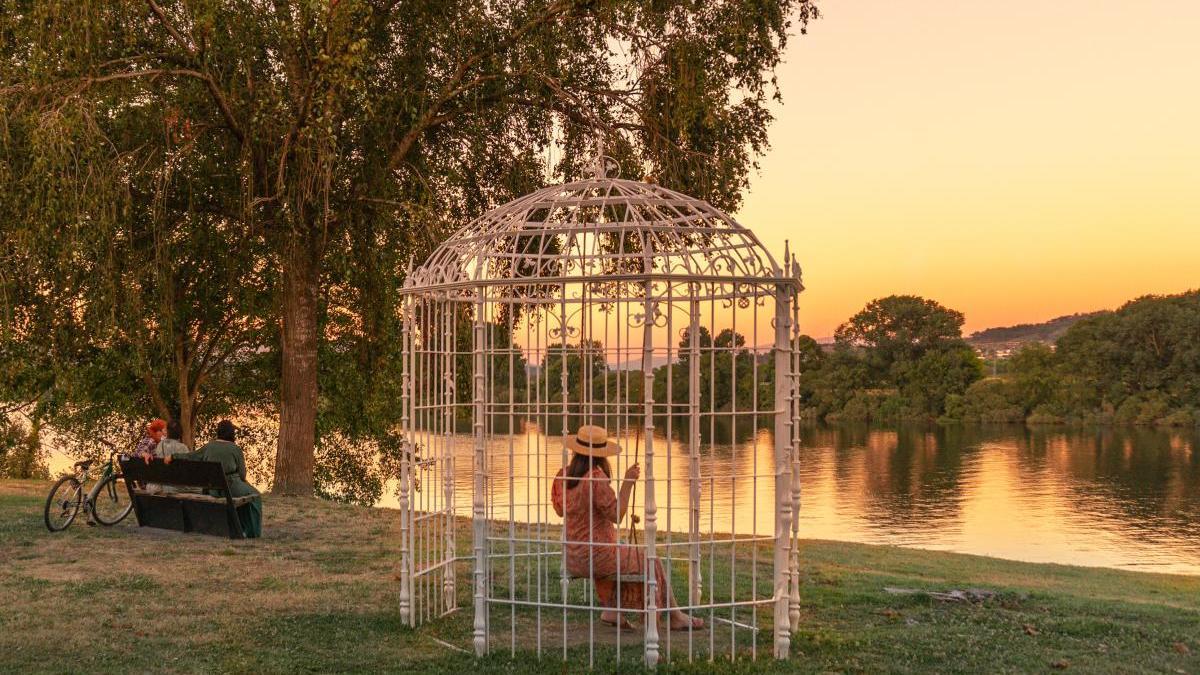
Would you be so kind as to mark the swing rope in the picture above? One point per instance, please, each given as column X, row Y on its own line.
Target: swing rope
column 633, row 516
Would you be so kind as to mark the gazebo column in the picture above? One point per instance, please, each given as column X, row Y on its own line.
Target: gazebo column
column 783, row 468
column 651, row 529
column 478, row 514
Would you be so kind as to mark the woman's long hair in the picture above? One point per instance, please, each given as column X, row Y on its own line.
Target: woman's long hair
column 581, row 465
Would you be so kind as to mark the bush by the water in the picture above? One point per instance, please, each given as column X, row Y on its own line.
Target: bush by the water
column 21, row 454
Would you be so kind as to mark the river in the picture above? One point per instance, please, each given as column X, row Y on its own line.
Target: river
column 1123, row 498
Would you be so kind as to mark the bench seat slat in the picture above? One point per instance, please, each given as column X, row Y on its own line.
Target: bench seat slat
column 194, row 496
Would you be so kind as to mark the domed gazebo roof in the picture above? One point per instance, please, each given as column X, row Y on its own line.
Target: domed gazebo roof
column 620, row 230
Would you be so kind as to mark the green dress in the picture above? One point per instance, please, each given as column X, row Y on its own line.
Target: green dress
column 234, row 463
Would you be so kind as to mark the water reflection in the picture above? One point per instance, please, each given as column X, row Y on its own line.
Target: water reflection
column 1127, row 498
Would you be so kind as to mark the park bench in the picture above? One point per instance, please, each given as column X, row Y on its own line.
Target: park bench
column 184, row 511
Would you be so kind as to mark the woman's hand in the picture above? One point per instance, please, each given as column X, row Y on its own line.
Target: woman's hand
column 633, row 472
column 167, row 459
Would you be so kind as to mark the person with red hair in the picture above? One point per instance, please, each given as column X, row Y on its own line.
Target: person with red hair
column 154, row 433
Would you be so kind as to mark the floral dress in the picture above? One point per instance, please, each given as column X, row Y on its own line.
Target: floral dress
column 589, row 510
column 146, row 445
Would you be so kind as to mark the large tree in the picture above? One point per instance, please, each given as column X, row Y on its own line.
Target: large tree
column 339, row 137
column 900, row 329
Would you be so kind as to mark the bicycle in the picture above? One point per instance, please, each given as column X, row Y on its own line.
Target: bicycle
column 107, row 502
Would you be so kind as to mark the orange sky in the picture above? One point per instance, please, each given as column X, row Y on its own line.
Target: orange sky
column 1014, row 161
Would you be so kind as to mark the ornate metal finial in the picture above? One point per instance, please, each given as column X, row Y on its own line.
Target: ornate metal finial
column 604, row 166
column 797, row 271
column 598, row 161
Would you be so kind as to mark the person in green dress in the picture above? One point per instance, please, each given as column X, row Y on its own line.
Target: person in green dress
column 224, row 450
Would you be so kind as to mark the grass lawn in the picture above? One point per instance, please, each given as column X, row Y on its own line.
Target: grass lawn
column 319, row 593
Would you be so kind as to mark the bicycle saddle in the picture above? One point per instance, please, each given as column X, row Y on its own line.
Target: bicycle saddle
column 83, row 466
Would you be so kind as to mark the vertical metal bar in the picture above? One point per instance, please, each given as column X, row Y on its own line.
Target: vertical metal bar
column 754, row 491
column 734, row 352
column 670, row 409
column 694, row 580
column 711, row 467
column 428, row 507
column 451, row 413
column 512, row 489
column 478, row 513
column 586, row 387
column 449, row 590
column 564, row 381
column 541, row 463
column 490, row 482
column 621, row 427
column 407, row 449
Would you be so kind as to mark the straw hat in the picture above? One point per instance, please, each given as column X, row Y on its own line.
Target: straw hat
column 593, row 441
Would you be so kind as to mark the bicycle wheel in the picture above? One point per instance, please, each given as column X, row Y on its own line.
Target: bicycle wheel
column 62, row 504
column 110, row 501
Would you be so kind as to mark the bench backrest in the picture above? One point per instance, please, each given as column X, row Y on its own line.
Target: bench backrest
column 180, row 472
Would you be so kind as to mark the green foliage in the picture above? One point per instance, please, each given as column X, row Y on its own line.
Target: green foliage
column 1138, row 365
column 988, row 400
column 21, row 453
column 940, row 372
column 730, row 379
column 580, row 369
column 1148, row 348
column 897, row 330
column 355, row 471
column 508, row 371
column 901, row 357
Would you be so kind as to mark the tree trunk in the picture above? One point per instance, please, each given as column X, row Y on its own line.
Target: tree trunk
column 186, row 415
column 187, row 418
column 298, row 395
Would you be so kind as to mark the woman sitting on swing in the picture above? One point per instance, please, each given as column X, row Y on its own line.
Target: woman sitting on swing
column 582, row 494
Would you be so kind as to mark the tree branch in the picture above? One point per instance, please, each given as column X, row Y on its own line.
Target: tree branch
column 155, row 394
column 214, row 91
column 162, row 18
column 203, row 367
column 455, row 87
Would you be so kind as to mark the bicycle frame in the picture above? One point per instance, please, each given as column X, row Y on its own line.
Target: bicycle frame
column 107, row 469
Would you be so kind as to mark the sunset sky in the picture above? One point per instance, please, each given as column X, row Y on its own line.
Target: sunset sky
column 1015, row 161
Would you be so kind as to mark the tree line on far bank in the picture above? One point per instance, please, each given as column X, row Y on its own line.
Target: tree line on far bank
column 904, row 358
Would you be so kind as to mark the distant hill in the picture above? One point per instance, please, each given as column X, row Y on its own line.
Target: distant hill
column 1009, row 337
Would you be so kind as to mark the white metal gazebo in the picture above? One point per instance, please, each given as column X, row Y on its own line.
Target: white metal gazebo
column 622, row 304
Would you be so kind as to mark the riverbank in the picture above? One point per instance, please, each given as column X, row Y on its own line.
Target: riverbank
column 319, row 593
